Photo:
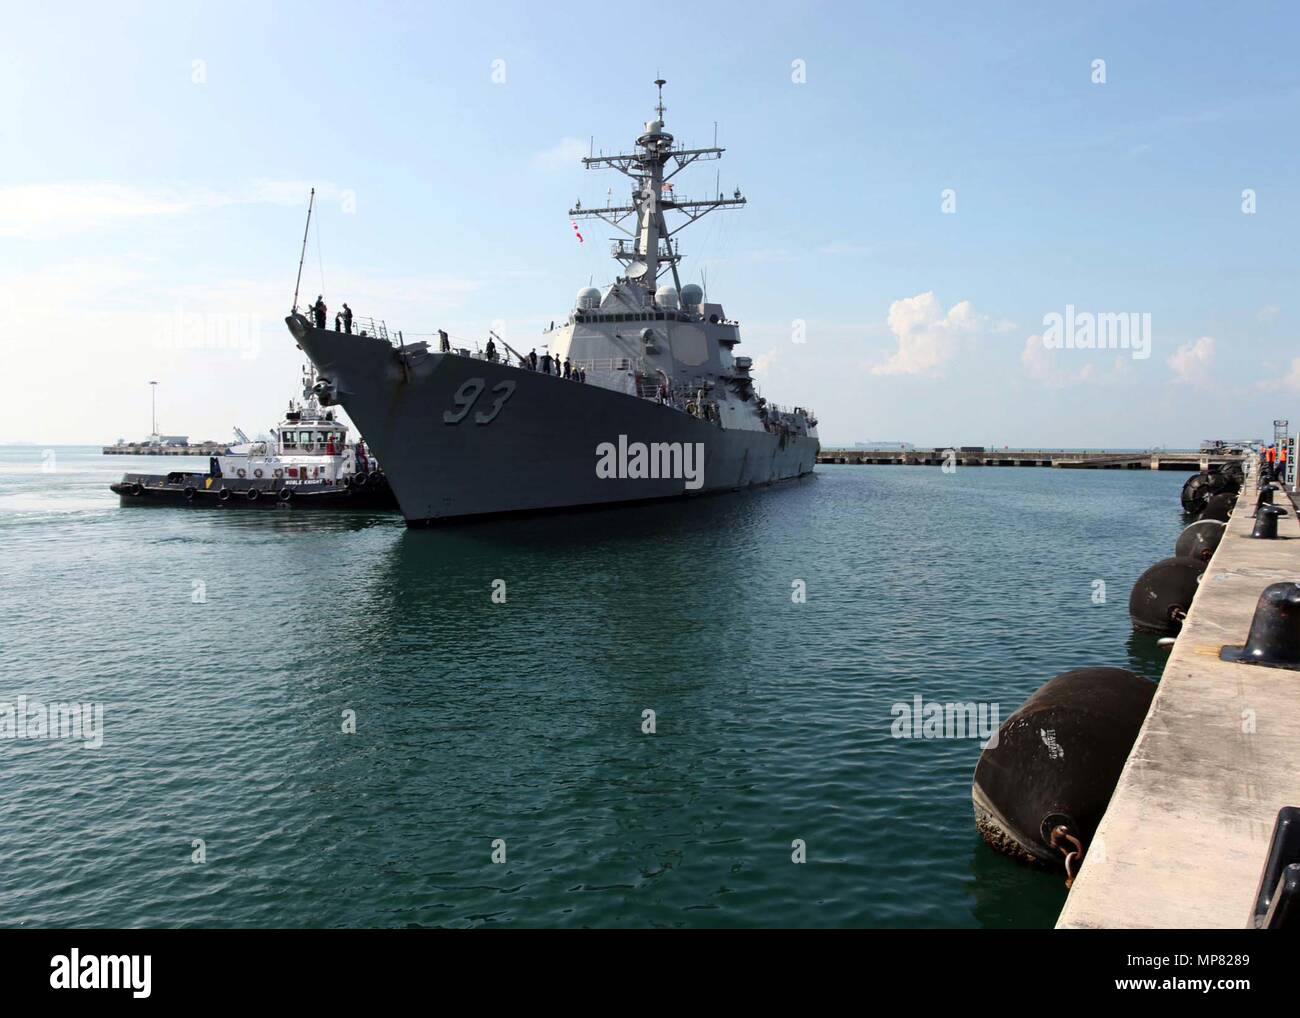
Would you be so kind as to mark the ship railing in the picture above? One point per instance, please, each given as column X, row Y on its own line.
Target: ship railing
column 608, row 365
column 370, row 327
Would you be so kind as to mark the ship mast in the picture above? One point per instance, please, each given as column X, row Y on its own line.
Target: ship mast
column 654, row 163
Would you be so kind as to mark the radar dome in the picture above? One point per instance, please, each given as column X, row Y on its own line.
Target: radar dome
column 692, row 295
column 588, row 298
column 666, row 297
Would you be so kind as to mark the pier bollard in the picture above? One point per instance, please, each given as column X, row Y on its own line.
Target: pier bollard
column 1266, row 521
column 1277, row 900
column 1265, row 498
column 1274, row 637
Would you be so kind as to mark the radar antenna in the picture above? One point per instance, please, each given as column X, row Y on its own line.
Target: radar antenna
column 651, row 167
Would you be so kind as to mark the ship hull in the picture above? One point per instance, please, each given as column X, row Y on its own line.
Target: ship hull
column 527, row 442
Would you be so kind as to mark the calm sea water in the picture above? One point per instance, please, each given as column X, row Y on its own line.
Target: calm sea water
column 226, row 646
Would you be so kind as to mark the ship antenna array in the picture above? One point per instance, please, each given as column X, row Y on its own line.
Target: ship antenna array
column 651, row 168
column 306, row 229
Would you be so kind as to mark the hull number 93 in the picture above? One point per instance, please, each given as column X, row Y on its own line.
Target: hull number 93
column 467, row 395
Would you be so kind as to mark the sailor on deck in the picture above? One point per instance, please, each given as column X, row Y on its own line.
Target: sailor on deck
column 319, row 309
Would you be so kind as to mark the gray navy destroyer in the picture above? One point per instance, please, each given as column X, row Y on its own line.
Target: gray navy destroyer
column 652, row 402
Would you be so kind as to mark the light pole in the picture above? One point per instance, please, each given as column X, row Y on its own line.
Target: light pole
column 153, row 407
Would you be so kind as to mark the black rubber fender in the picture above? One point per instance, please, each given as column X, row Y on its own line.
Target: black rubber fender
column 1163, row 595
column 1218, row 507
column 1199, row 540
column 1056, row 761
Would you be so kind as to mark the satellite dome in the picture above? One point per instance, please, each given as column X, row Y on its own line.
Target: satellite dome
column 666, row 297
column 692, row 294
column 588, row 298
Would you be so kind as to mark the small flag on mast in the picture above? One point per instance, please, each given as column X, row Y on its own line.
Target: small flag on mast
column 576, row 231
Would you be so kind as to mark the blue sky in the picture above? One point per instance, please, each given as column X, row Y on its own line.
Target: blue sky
column 157, row 159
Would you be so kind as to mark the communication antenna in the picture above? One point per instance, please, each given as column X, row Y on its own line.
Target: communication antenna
column 310, row 202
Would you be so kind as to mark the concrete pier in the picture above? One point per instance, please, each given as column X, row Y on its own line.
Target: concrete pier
column 146, row 449
column 1096, row 459
column 1184, row 838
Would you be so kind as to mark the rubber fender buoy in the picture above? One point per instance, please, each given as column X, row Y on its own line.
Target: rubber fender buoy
column 286, row 494
column 1218, row 507
column 1199, row 540
column 137, row 489
column 357, row 480
column 1056, row 760
column 252, row 494
column 1163, row 594
column 1228, row 483
column 190, row 492
column 1196, row 490
column 224, row 494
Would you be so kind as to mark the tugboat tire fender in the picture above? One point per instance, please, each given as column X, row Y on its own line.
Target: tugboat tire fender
column 224, row 494
column 190, row 492
column 252, row 494
column 286, row 494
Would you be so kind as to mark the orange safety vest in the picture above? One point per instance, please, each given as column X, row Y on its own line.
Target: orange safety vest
column 1270, row 455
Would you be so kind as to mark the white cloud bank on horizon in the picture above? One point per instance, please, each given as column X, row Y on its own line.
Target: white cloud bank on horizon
column 1043, row 365
column 1290, row 382
column 1191, row 362
column 42, row 210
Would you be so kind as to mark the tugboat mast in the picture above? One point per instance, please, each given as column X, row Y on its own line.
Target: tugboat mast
column 654, row 163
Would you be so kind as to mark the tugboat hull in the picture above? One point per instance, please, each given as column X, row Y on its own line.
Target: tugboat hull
column 237, row 493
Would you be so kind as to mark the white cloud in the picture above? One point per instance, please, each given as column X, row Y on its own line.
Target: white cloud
column 927, row 336
column 567, row 152
column 1191, row 362
column 1043, row 365
column 1269, row 314
column 42, row 210
column 1290, row 382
